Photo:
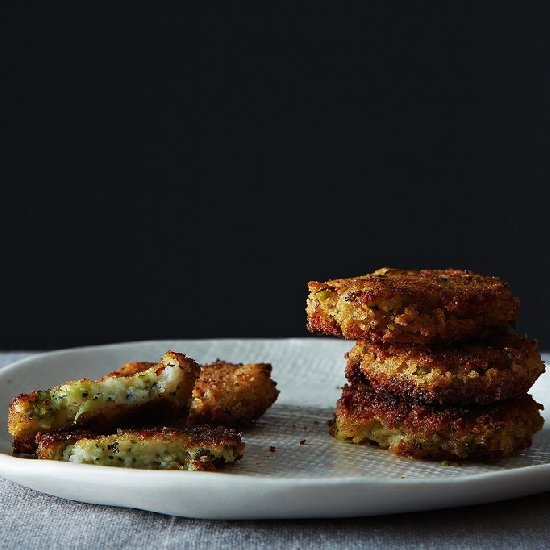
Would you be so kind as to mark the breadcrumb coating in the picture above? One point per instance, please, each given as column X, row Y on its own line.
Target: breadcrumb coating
column 423, row 307
column 232, row 394
column 468, row 373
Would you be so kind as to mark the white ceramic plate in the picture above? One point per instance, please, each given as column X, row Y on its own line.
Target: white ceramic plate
column 321, row 478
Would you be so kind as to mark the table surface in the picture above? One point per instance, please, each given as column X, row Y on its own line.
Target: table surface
column 31, row 519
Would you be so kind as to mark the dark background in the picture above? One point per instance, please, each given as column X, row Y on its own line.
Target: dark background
column 183, row 172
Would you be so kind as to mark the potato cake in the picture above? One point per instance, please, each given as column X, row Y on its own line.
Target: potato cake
column 232, row 394
column 468, row 373
column 157, row 394
column 426, row 306
column 485, row 432
column 225, row 393
column 189, row 448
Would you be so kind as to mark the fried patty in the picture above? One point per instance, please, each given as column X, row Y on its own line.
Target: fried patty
column 232, row 394
column 156, row 395
column 225, row 393
column 467, row 373
column 423, row 307
column 485, row 433
column 190, row 448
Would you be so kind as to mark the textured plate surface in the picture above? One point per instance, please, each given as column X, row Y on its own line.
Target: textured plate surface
column 308, row 474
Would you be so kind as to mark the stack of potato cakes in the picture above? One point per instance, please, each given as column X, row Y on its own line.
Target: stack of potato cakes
column 435, row 372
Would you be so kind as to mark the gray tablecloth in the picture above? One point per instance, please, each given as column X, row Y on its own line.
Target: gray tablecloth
column 31, row 519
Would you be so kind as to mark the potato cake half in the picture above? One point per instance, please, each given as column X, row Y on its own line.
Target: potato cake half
column 225, row 393
column 484, row 433
column 232, row 394
column 426, row 306
column 190, row 448
column 467, row 373
column 158, row 394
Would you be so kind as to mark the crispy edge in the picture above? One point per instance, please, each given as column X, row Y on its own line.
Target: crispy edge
column 50, row 445
column 130, row 369
column 504, row 367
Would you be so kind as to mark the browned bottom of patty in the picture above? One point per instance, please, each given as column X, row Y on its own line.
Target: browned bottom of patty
column 485, row 433
column 502, row 367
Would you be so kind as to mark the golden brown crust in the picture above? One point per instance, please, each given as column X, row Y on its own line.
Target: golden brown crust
column 49, row 444
column 487, row 432
column 207, row 446
column 502, row 367
column 407, row 306
column 232, row 394
column 130, row 368
column 23, row 423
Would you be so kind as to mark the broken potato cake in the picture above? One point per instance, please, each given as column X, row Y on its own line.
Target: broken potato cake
column 483, row 432
column 190, row 448
column 422, row 307
column 232, row 394
column 502, row 367
column 158, row 394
